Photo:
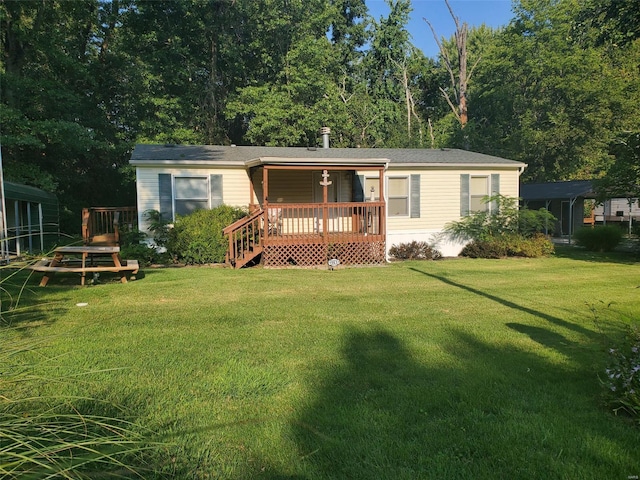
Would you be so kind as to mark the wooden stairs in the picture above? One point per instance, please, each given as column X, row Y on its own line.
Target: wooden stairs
column 245, row 239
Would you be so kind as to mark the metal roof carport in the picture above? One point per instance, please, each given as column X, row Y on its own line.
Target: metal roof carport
column 32, row 220
column 553, row 194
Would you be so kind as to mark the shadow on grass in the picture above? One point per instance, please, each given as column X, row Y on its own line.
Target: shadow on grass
column 21, row 304
column 578, row 253
column 507, row 303
column 480, row 412
column 528, row 408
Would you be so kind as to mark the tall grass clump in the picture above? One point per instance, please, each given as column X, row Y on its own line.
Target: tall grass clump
column 621, row 376
column 47, row 437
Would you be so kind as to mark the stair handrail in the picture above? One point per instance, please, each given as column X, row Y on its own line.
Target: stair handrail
column 237, row 233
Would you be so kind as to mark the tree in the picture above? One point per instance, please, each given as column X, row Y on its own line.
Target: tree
column 623, row 177
column 56, row 133
column 550, row 100
column 456, row 66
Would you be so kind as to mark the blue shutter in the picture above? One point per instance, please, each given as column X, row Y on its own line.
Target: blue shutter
column 165, row 194
column 215, row 183
column 358, row 188
column 464, row 195
column 415, row 196
column 495, row 190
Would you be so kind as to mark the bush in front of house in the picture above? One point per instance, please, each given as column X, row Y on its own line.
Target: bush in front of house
column 506, row 231
column 198, row 239
column 600, row 238
column 134, row 246
column 414, row 251
column 511, row 245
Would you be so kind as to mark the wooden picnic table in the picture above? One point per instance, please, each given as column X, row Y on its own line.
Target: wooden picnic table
column 83, row 259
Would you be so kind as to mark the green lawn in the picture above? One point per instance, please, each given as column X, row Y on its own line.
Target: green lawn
column 456, row 369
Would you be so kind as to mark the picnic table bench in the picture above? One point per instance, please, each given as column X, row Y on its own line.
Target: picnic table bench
column 85, row 259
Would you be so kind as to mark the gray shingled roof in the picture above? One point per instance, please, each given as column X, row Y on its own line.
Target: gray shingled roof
column 557, row 190
column 144, row 154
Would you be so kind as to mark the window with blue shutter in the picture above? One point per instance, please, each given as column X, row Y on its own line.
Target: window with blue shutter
column 415, row 196
column 464, row 194
column 495, row 190
column 215, row 183
column 165, row 194
column 474, row 190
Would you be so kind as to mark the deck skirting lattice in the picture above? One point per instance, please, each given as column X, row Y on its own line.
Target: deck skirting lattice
column 318, row 254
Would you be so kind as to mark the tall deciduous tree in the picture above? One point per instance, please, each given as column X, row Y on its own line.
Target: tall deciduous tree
column 561, row 101
column 55, row 132
column 456, row 66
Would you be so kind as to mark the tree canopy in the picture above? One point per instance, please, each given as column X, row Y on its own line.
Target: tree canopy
column 83, row 81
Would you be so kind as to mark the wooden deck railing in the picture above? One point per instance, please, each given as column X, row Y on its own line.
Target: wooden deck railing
column 324, row 222
column 304, row 224
column 103, row 225
column 245, row 238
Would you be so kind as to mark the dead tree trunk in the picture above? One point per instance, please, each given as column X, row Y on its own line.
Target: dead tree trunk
column 457, row 96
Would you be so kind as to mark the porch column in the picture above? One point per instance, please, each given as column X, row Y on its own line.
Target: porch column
column 325, row 205
column 265, row 186
column 383, row 211
column 252, row 194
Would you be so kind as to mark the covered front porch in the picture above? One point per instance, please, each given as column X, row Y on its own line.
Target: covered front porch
column 307, row 214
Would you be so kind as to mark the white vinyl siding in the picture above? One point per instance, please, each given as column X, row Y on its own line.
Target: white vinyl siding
column 440, row 196
column 235, row 186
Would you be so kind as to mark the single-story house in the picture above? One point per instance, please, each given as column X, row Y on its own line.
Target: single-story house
column 308, row 205
column 32, row 220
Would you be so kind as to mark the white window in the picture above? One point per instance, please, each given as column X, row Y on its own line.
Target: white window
column 190, row 194
column 478, row 191
column 398, row 190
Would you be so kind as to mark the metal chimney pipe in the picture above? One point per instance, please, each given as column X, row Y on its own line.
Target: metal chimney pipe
column 325, row 131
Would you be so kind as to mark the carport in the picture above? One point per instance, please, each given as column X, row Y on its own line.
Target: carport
column 565, row 200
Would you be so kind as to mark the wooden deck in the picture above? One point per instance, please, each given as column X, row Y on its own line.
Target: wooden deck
column 103, row 225
column 309, row 234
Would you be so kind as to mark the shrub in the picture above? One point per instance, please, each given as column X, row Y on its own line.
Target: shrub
column 623, row 374
column 506, row 218
column 534, row 246
column 414, row 251
column 198, row 239
column 133, row 245
column 491, row 248
column 599, row 239
column 509, row 245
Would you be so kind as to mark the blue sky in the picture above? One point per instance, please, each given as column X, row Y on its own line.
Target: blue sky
column 494, row 13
